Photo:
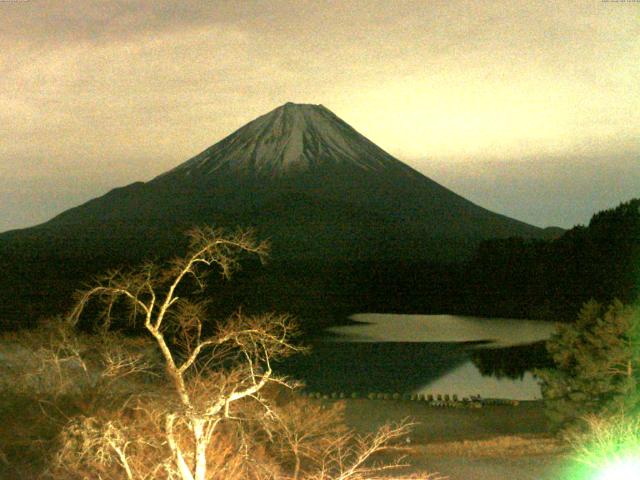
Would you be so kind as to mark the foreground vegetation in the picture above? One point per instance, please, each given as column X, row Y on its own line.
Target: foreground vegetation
column 184, row 401
column 183, row 396
column 592, row 394
column 597, row 366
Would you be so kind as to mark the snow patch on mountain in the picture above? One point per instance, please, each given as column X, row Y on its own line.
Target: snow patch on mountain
column 293, row 138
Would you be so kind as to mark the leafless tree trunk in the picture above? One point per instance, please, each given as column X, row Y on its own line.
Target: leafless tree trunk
column 152, row 294
column 213, row 378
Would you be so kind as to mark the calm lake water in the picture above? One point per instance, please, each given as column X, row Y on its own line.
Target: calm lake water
column 430, row 354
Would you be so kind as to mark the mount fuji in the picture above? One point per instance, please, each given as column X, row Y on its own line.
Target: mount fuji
column 291, row 139
column 303, row 178
column 299, row 175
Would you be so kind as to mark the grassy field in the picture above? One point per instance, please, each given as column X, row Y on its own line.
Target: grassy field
column 446, row 438
column 494, row 442
column 444, row 424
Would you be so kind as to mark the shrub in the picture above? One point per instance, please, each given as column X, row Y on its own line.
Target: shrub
column 597, row 365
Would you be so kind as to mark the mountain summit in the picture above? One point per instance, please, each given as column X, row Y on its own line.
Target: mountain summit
column 341, row 214
column 290, row 139
column 302, row 177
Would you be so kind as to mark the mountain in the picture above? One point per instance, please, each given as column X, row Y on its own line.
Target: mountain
column 302, row 177
column 289, row 140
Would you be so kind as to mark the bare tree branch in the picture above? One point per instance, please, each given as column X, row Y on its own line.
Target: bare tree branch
column 219, row 379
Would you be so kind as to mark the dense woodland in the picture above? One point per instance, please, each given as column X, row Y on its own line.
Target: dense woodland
column 520, row 278
column 553, row 279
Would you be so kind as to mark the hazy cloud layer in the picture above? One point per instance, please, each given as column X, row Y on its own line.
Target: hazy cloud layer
column 560, row 191
column 97, row 94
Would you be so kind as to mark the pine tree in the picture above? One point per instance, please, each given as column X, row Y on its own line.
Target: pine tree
column 597, row 365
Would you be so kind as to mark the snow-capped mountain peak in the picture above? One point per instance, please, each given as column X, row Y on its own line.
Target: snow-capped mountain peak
column 290, row 139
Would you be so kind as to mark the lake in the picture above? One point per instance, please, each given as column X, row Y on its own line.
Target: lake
column 428, row 354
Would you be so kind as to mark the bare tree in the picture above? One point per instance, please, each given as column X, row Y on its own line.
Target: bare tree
column 306, row 431
column 177, row 324
column 219, row 384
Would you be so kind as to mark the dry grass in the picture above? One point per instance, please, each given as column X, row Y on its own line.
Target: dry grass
column 508, row 446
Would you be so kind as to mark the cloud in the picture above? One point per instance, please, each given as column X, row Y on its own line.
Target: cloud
column 560, row 191
column 127, row 89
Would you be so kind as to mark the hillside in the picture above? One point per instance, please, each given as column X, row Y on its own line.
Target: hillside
column 299, row 175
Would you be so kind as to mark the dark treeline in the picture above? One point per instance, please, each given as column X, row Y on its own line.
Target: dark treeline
column 515, row 278
column 519, row 278
column 552, row 279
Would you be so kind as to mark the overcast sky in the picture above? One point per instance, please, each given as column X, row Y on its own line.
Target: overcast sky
column 529, row 108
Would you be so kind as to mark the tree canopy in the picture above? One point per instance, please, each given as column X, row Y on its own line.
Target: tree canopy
column 597, row 365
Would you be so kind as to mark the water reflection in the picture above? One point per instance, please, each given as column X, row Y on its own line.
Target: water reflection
column 511, row 362
column 374, row 366
column 427, row 354
column 501, row 332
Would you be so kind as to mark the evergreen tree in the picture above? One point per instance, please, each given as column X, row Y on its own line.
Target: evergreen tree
column 527, row 278
column 597, row 365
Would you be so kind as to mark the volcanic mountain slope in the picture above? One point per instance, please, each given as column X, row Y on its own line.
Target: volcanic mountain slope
column 351, row 227
column 303, row 178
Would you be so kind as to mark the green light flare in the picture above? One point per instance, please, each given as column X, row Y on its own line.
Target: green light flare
column 609, row 450
column 621, row 469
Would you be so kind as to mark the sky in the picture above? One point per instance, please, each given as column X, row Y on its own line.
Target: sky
column 528, row 108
